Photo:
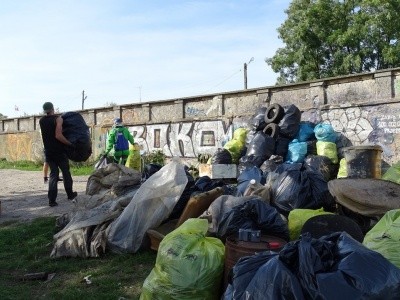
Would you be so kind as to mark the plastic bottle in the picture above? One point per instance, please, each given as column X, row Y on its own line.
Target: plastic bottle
column 253, row 186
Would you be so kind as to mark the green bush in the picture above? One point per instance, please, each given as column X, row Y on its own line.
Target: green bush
column 155, row 157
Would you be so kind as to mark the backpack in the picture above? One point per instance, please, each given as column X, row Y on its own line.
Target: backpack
column 121, row 142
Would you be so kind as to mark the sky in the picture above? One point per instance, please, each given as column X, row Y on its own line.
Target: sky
column 121, row 51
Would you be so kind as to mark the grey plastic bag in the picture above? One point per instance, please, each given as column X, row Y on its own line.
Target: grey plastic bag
column 152, row 204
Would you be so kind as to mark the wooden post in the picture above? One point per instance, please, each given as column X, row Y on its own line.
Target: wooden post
column 245, row 75
column 83, row 99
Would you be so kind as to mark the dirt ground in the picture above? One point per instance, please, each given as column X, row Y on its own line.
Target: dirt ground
column 23, row 196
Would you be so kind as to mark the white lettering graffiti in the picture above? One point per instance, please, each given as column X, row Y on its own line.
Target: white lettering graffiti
column 182, row 139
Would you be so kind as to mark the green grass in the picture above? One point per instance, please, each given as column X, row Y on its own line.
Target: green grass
column 24, row 165
column 26, row 248
column 77, row 169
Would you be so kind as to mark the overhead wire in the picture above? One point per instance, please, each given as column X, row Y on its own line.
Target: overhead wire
column 218, row 84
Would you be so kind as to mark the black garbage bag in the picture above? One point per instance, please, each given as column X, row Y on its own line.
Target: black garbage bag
column 331, row 267
column 263, row 276
column 250, row 136
column 282, row 146
column 338, row 267
column 262, row 146
column 205, row 184
column 258, row 121
column 150, row 169
column 271, row 164
column 221, row 156
column 249, row 161
column 243, row 180
column 183, row 200
column 290, row 123
column 299, row 186
column 322, row 164
column 254, row 214
column 77, row 132
column 312, row 147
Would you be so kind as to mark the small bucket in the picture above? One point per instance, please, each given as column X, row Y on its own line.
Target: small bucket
column 363, row 161
column 235, row 249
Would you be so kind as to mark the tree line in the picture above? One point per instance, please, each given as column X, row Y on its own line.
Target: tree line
column 327, row 38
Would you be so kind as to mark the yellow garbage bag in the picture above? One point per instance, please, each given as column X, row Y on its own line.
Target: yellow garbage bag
column 329, row 150
column 189, row 265
column 134, row 160
column 342, row 173
column 236, row 144
column 297, row 217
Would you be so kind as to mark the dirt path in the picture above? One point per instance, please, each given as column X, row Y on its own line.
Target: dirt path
column 23, row 196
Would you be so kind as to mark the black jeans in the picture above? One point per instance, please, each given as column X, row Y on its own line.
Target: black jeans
column 56, row 164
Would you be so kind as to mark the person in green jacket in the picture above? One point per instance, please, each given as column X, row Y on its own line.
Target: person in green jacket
column 118, row 140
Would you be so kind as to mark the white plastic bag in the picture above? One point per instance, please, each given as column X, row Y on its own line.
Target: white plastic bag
column 153, row 203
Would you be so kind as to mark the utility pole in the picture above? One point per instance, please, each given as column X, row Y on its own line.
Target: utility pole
column 140, row 93
column 83, row 100
column 245, row 72
column 245, row 75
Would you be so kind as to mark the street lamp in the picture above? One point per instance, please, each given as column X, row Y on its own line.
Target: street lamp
column 245, row 72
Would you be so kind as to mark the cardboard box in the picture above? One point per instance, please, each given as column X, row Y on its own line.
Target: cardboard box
column 218, row 171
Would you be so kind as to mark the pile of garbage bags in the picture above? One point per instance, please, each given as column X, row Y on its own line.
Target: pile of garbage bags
column 332, row 267
column 338, row 237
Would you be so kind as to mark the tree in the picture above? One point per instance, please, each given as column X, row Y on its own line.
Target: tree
column 110, row 104
column 3, row 116
column 325, row 38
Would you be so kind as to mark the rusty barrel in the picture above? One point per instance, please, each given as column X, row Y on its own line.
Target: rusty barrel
column 363, row 161
column 235, row 249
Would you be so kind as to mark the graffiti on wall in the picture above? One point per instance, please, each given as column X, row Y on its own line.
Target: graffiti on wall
column 186, row 139
column 194, row 112
column 182, row 139
column 360, row 127
column 355, row 125
column 23, row 146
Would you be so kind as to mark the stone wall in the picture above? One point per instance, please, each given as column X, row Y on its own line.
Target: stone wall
column 363, row 108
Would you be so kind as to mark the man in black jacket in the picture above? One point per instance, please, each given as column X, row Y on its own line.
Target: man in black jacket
column 54, row 143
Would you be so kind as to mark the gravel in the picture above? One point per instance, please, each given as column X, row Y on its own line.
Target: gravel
column 23, row 196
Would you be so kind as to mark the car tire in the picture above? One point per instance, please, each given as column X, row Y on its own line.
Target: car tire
column 274, row 114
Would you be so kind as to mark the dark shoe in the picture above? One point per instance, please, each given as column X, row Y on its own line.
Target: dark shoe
column 53, row 204
column 45, row 179
column 72, row 196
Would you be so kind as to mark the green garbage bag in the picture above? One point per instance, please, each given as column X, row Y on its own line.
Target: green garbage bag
column 384, row 237
column 236, row 144
column 393, row 173
column 329, row 150
column 134, row 160
column 342, row 173
column 189, row 265
column 297, row 217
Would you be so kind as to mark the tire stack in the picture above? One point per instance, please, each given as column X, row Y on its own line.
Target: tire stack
column 272, row 136
column 284, row 124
